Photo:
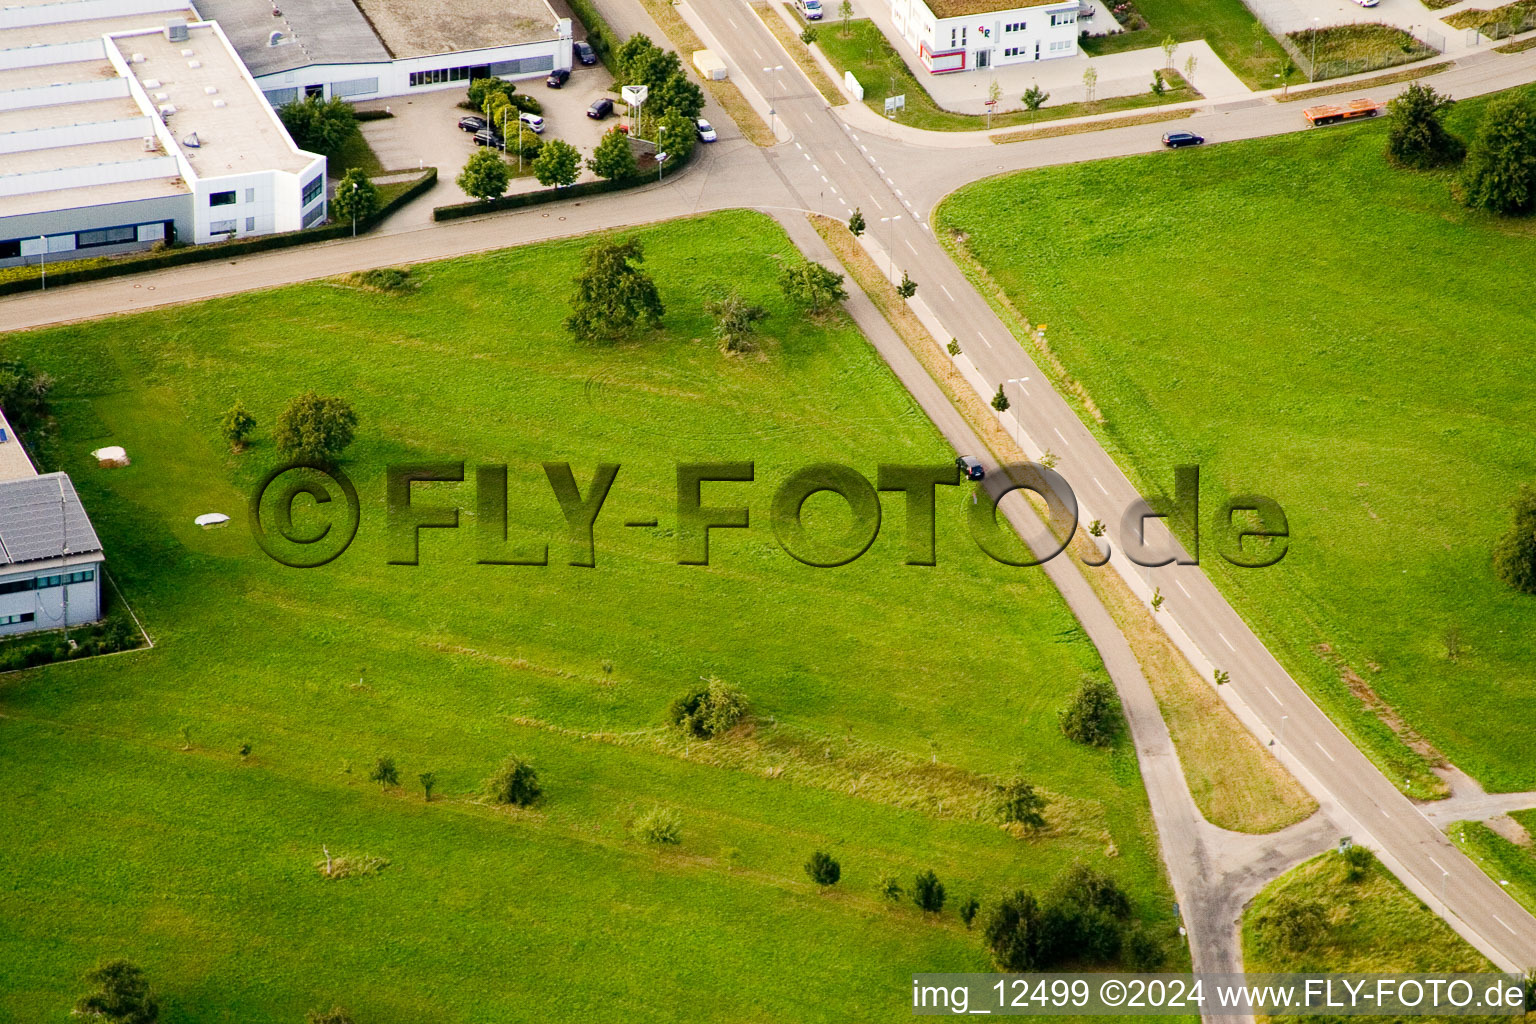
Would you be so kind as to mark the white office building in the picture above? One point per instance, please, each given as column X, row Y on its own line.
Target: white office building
column 50, row 557
column 123, row 125
column 965, row 35
column 369, row 49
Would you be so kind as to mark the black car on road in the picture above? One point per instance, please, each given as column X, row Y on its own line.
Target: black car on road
column 1175, row 140
column 600, row 108
column 472, row 124
column 971, row 467
column 557, row 78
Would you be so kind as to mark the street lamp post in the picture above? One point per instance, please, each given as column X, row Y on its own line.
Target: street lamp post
column 354, row 209
column 1021, row 381
column 890, row 253
column 42, row 260
column 773, row 88
column 1282, row 729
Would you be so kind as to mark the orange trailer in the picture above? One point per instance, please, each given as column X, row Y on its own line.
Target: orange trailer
column 1332, row 113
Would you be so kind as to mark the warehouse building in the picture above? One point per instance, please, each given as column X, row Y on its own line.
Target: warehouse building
column 122, row 125
column 50, row 557
column 964, row 35
column 370, row 49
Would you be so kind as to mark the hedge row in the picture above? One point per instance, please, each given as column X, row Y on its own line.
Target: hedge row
column 522, row 200
column 214, row 250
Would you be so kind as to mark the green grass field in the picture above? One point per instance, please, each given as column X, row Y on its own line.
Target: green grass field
column 885, row 694
column 1373, row 925
column 1227, row 25
column 1305, row 322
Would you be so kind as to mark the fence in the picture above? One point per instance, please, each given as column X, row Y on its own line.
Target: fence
column 1514, row 23
column 1372, row 55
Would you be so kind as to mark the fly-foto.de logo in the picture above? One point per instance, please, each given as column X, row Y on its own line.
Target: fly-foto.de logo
column 305, row 515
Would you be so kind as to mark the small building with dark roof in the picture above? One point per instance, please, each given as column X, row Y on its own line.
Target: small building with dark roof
column 50, row 556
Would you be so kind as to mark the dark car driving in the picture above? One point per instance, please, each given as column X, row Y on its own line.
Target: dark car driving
column 1175, row 140
column 971, row 467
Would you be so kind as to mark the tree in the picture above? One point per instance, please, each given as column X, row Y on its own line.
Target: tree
column 967, row 910
column 1018, row 802
column 676, row 93
column 320, row 126
column 1034, row 98
column 710, row 710
column 1170, row 46
column 1500, row 173
column 1093, row 717
column 481, row 91
column 736, row 321
column 613, row 296
column 1014, row 933
column 24, row 395
column 237, row 426
column 823, row 869
column 1158, row 85
column 1256, row 30
column 662, row 826
column 613, row 159
column 1090, row 81
column 485, row 175
column 428, row 782
column 1072, row 931
column 336, row 1014
column 515, row 782
column 121, row 996
column 1092, row 889
column 356, row 197
column 808, row 34
column 1142, row 952
column 994, row 93
column 808, row 283
column 845, row 14
column 928, row 892
column 384, row 772
column 1514, row 556
column 1000, row 400
column 557, row 164
column 1189, row 70
column 856, row 222
column 1415, row 135
column 1287, row 69
column 315, row 427
column 907, row 288
column 888, row 886
column 676, row 134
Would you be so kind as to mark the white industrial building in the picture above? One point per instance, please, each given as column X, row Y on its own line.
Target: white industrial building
column 964, row 35
column 127, row 123
column 122, row 125
column 368, row 49
column 50, row 557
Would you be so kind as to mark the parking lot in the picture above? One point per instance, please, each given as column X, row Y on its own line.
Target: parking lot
column 424, row 131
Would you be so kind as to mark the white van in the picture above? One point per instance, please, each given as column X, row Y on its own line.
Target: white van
column 810, row 8
column 534, row 122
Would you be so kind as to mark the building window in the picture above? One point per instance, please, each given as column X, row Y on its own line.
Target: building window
column 250, row 223
column 1063, row 19
column 1013, row 51
column 1015, row 26
column 11, row 620
column 250, row 195
column 439, row 75
column 962, row 36
column 44, row 582
column 953, row 35
column 222, row 199
column 106, row 236
column 222, row 227
column 312, row 189
column 10, row 249
column 1064, row 44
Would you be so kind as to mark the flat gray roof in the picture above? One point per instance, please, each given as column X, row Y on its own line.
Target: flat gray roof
column 314, row 32
column 419, row 28
column 33, row 524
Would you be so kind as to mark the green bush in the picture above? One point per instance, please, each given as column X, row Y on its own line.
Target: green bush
column 121, row 995
column 1019, row 803
column 661, row 826
column 1015, row 933
column 384, row 772
column 928, row 892
column 1514, row 556
column 823, row 869
column 715, row 708
column 1088, row 887
column 516, row 783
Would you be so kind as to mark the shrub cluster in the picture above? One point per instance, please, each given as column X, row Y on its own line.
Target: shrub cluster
column 117, row 633
column 1085, row 917
column 712, row 709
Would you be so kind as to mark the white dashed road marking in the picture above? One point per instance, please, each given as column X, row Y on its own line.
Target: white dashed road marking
column 1319, row 746
column 1101, row 486
column 1179, row 582
column 946, row 292
column 1061, row 435
column 984, row 340
column 1272, row 694
column 1226, row 641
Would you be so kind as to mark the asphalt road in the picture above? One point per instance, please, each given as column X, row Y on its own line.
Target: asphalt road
column 841, row 159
